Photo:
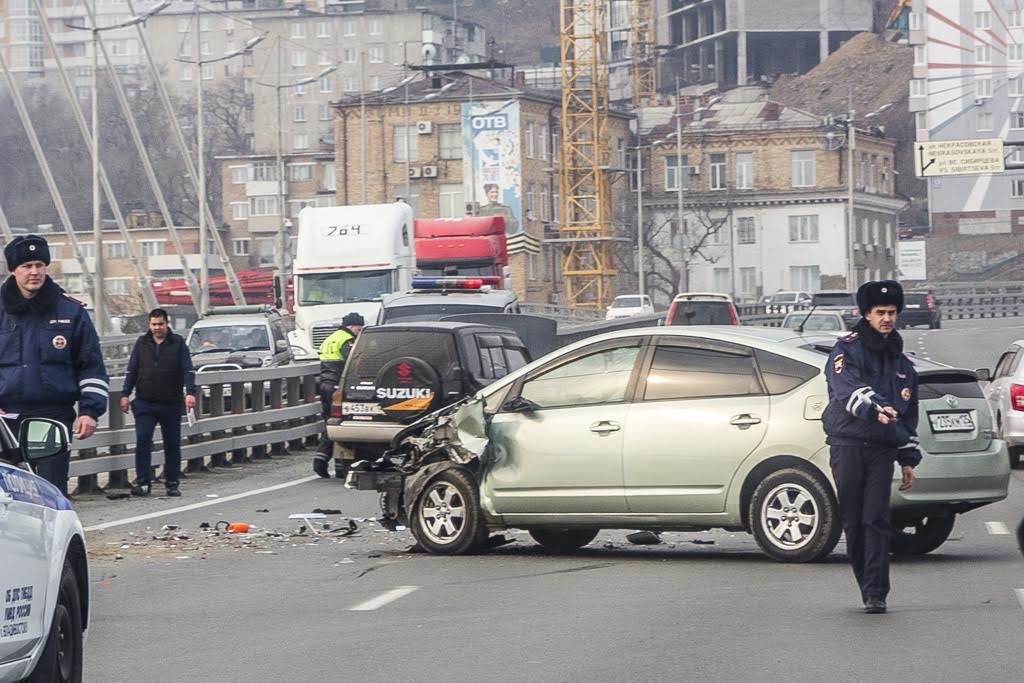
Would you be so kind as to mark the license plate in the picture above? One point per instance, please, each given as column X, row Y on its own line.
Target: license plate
column 951, row 422
column 350, row 408
column 913, row 306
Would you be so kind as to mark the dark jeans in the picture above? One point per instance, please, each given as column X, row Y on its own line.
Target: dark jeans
column 53, row 470
column 863, row 476
column 326, row 446
column 148, row 414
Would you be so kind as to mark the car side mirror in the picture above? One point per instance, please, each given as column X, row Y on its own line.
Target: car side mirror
column 518, row 404
column 281, row 345
column 984, row 374
column 40, row 438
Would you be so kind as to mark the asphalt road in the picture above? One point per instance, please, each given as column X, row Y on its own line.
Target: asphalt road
column 336, row 605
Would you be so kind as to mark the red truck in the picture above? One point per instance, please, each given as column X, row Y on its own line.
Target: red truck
column 473, row 245
column 257, row 286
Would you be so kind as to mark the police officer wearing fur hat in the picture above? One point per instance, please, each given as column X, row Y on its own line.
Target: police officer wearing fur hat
column 334, row 352
column 871, row 422
column 50, row 357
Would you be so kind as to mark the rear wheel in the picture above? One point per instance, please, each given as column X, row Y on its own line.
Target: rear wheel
column 794, row 516
column 446, row 518
column 920, row 536
column 62, row 657
column 563, row 540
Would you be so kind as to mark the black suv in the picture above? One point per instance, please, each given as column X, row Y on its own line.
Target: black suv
column 397, row 373
column 838, row 300
column 920, row 308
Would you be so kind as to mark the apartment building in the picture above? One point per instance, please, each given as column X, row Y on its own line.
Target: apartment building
column 765, row 193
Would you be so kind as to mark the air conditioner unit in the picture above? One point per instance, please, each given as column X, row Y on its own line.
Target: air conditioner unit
column 471, row 208
column 694, row 170
column 414, row 172
column 430, row 171
column 869, row 248
column 424, row 127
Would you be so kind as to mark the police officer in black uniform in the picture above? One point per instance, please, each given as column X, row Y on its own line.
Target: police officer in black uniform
column 50, row 356
column 871, row 422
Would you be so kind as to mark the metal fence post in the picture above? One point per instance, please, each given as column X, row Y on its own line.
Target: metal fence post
column 115, row 420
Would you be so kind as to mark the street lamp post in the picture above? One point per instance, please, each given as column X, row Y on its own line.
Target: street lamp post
column 97, row 228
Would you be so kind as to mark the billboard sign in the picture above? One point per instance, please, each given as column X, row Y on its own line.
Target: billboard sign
column 959, row 157
column 912, row 260
column 491, row 160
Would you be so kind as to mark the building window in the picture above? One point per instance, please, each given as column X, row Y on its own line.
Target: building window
column 921, row 120
column 151, row 247
column 300, row 141
column 299, row 89
column 404, row 145
column 675, row 170
column 884, row 189
column 325, row 112
column 918, row 87
column 1013, row 17
column 916, row 21
column 542, row 143
column 1017, row 188
column 327, row 177
column 545, row 203
column 265, row 249
column 983, row 54
column 349, row 55
column 239, row 211
column 983, row 20
column 325, row 58
column 207, row 72
column 1016, row 86
column 920, row 55
column 116, row 249
column 263, row 205
column 449, row 141
column 722, row 281
column 376, row 54
column 805, row 278
column 983, row 87
column 239, row 174
column 716, row 162
column 298, row 58
column 744, row 170
column 984, row 120
column 297, row 205
column 1017, row 120
column 748, row 282
column 264, row 170
column 450, row 201
column 325, row 84
column 374, row 83
column 186, row 72
column 802, row 168
column 348, row 28
column 240, row 247
column 117, row 286
column 529, row 141
column 348, row 84
column 803, row 228
column 300, row 172
column 1015, row 52
column 323, row 29
column 376, row 26
column 299, row 113
column 745, row 230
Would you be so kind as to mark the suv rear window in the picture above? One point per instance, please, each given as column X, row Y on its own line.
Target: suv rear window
column 919, row 299
column 374, row 350
column 434, row 311
column 499, row 355
column 701, row 313
column 836, row 299
column 956, row 384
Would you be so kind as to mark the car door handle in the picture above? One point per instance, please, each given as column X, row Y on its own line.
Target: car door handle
column 6, row 498
column 745, row 421
column 605, row 427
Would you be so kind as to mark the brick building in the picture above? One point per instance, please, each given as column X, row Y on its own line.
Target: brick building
column 765, row 192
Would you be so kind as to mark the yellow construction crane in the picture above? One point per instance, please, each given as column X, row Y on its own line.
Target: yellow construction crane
column 585, row 230
column 641, row 38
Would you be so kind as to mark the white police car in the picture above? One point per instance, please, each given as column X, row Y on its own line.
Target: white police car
column 44, row 583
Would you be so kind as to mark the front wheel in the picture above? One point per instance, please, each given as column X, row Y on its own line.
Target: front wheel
column 446, row 518
column 62, row 657
column 563, row 540
column 920, row 536
column 794, row 517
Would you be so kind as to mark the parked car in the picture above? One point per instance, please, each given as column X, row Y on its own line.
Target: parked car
column 838, row 300
column 784, row 302
column 44, row 573
column 1005, row 395
column 814, row 321
column 920, row 308
column 628, row 305
column 399, row 372
column 436, row 298
column 679, row 429
column 702, row 308
column 238, row 337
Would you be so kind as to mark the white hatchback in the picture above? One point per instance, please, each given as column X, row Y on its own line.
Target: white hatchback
column 628, row 305
column 44, row 579
column 1005, row 394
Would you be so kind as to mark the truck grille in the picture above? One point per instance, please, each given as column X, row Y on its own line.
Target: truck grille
column 321, row 332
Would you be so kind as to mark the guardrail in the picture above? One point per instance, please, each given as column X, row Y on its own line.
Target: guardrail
column 242, row 415
column 563, row 313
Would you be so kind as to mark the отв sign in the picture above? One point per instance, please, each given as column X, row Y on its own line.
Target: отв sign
column 959, row 157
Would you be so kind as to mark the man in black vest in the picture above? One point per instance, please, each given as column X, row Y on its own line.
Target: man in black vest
column 160, row 371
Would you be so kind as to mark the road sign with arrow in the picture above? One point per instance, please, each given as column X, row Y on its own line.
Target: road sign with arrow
column 958, row 157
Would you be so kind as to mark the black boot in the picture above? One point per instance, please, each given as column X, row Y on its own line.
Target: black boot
column 874, row 606
column 320, row 465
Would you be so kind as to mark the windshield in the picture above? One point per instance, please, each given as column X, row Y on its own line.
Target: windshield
column 627, row 302
column 434, row 311
column 824, row 323
column 229, row 338
column 336, row 288
column 702, row 313
column 835, row 299
column 784, row 298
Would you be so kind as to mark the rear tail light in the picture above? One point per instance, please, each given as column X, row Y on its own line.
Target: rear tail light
column 671, row 313
column 732, row 314
column 336, row 403
column 1017, row 396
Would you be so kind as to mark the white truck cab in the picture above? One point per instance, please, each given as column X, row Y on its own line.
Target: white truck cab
column 44, row 582
column 347, row 258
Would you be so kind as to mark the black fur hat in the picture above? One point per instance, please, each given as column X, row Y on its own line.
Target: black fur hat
column 880, row 293
column 25, row 248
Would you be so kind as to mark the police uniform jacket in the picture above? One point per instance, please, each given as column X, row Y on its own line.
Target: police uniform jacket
column 50, row 355
column 867, row 371
column 333, row 353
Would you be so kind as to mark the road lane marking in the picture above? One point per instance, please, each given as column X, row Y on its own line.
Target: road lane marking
column 1020, row 596
column 383, row 599
column 996, row 528
column 196, row 506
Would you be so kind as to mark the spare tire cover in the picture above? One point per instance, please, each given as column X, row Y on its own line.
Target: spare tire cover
column 407, row 388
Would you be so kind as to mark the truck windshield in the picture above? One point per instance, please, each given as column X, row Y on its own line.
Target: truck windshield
column 334, row 288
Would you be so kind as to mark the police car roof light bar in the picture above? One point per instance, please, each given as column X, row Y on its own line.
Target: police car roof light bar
column 428, row 282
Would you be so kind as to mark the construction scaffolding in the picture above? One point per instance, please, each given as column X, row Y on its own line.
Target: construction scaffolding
column 585, row 229
column 641, row 38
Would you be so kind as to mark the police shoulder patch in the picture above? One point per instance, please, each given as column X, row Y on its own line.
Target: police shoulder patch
column 838, row 363
column 849, row 338
column 905, row 394
column 73, row 299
